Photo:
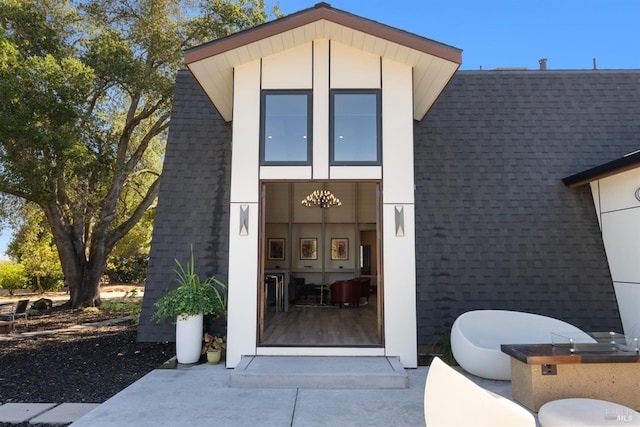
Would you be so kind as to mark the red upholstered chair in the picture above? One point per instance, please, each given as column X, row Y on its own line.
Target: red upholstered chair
column 365, row 286
column 345, row 292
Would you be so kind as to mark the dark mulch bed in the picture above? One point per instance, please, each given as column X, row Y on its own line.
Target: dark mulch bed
column 88, row 365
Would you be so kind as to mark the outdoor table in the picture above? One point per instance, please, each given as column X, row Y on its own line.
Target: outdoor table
column 541, row 373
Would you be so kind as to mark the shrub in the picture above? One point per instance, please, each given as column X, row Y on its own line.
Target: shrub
column 49, row 283
column 131, row 269
column 12, row 276
column 130, row 303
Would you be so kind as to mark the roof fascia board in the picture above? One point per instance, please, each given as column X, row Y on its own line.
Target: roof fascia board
column 614, row 167
column 309, row 16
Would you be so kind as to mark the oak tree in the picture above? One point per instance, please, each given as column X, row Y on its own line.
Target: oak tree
column 86, row 90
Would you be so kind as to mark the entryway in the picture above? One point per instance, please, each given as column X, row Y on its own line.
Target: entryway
column 305, row 250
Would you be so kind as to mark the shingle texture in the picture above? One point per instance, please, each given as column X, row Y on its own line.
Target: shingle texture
column 193, row 204
column 496, row 228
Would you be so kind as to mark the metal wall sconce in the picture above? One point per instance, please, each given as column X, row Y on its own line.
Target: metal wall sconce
column 399, row 221
column 244, row 220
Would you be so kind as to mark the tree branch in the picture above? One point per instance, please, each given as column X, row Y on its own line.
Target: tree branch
column 148, row 201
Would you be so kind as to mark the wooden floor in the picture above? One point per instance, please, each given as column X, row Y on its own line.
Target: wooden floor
column 323, row 326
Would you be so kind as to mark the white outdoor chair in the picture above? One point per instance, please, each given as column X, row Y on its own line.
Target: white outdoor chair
column 451, row 399
column 476, row 337
column 11, row 311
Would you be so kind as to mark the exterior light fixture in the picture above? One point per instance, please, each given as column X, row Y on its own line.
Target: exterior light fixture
column 321, row 199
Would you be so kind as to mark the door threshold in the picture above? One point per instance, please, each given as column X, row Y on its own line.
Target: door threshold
column 320, row 351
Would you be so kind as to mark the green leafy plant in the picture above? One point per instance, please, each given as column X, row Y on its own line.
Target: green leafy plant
column 12, row 276
column 210, row 342
column 129, row 303
column 192, row 296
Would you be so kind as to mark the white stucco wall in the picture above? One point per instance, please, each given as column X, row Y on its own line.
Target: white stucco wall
column 398, row 251
column 243, row 249
column 619, row 215
column 325, row 65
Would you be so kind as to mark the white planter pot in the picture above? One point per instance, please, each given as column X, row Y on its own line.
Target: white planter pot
column 188, row 338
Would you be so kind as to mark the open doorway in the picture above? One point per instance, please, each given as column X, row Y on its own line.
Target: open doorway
column 320, row 265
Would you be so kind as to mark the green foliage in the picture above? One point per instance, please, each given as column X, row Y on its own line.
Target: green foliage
column 130, row 270
column 130, row 257
column 51, row 283
column 12, row 276
column 443, row 346
column 33, row 247
column 192, row 296
column 86, row 90
column 210, row 342
column 130, row 303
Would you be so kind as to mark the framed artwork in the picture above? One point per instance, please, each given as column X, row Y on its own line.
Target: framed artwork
column 308, row 248
column 340, row 249
column 275, row 249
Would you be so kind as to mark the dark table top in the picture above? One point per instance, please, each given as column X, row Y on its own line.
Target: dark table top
column 549, row 354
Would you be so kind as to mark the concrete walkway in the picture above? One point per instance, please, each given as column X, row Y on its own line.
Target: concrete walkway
column 201, row 394
column 44, row 413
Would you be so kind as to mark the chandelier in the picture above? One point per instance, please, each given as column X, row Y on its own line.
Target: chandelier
column 321, row 199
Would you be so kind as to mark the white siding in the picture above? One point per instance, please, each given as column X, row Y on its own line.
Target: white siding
column 595, row 192
column 397, row 133
column 243, row 249
column 242, row 304
column 337, row 66
column 628, row 297
column 289, row 69
column 399, row 287
column 619, row 214
column 321, row 109
column 618, row 191
column 353, row 69
column 355, row 172
column 246, row 130
column 285, row 172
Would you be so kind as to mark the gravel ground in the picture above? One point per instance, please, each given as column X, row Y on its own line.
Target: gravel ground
column 87, row 365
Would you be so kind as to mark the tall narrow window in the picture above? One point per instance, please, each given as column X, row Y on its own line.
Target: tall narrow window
column 285, row 133
column 356, row 127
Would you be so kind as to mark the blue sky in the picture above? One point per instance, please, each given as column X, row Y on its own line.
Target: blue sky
column 513, row 33
column 508, row 33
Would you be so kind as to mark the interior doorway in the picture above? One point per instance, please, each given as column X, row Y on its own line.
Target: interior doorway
column 319, row 265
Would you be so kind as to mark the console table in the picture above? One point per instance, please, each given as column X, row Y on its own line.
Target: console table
column 541, row 373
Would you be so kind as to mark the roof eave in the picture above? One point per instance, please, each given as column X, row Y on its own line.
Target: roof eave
column 316, row 13
column 614, row 167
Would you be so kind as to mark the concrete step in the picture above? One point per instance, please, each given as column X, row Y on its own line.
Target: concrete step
column 319, row 372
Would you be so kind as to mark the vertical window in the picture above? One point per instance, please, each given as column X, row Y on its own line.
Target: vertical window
column 285, row 128
column 356, row 127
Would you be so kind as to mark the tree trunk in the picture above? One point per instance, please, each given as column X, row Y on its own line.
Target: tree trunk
column 81, row 276
column 85, row 290
column 86, row 293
